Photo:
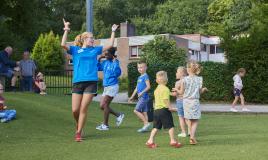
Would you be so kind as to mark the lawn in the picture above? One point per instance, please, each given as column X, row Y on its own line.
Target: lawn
column 44, row 130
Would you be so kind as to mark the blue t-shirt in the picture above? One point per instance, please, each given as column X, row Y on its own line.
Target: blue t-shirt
column 111, row 72
column 85, row 63
column 141, row 85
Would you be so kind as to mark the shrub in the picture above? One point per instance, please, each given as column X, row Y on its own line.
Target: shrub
column 218, row 81
column 47, row 52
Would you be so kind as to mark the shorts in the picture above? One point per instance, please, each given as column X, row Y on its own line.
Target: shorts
column 179, row 105
column 142, row 105
column 237, row 92
column 88, row 87
column 111, row 91
column 163, row 118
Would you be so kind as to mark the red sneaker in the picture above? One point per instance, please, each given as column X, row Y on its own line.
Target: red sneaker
column 151, row 145
column 78, row 137
column 176, row 145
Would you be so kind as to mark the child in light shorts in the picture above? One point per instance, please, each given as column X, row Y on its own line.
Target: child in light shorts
column 181, row 72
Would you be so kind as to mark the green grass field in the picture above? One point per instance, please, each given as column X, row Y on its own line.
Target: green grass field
column 44, row 130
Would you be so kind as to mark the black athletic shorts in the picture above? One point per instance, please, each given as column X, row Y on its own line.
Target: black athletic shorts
column 163, row 118
column 88, row 87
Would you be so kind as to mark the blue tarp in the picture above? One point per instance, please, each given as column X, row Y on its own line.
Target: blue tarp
column 7, row 115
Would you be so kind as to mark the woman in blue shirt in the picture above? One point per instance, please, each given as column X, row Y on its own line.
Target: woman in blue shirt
column 85, row 73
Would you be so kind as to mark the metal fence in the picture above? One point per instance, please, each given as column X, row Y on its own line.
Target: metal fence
column 57, row 82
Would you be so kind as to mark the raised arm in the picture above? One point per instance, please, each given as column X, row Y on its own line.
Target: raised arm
column 64, row 37
column 111, row 41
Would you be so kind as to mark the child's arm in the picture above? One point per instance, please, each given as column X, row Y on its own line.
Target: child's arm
column 148, row 87
column 133, row 95
column 179, row 90
column 203, row 90
column 170, row 107
column 174, row 90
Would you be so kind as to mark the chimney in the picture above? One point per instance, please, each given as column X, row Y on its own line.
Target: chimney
column 127, row 29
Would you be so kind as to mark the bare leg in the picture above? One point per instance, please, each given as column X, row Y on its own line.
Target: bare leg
column 171, row 135
column 235, row 101
column 14, row 80
column 152, row 135
column 193, row 126
column 142, row 117
column 188, row 125
column 182, row 124
column 145, row 117
column 105, row 106
column 242, row 100
column 86, row 100
column 76, row 102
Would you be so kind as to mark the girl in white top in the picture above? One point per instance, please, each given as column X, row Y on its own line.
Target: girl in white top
column 238, row 86
column 191, row 89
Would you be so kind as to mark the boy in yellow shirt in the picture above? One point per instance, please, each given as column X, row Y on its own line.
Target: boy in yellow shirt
column 162, row 115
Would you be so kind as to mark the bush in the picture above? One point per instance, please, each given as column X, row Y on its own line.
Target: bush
column 47, row 52
column 159, row 54
column 250, row 53
column 218, row 81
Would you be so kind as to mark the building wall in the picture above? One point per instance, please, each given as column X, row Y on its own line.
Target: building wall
column 123, row 54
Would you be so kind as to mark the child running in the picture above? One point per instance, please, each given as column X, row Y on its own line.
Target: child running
column 111, row 72
column 162, row 115
column 142, row 88
column 191, row 88
column 181, row 72
column 85, row 74
column 238, row 86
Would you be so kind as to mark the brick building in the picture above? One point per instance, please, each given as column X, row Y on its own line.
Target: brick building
column 198, row 47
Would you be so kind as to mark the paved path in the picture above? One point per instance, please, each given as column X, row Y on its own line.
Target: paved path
column 122, row 98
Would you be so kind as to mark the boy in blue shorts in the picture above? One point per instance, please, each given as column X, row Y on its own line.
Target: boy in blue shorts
column 142, row 88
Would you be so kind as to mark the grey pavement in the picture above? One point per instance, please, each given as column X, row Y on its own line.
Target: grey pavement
column 122, row 98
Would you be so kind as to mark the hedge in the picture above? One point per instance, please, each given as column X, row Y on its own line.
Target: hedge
column 214, row 75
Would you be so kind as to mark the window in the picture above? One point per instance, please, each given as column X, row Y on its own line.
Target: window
column 135, row 51
column 219, row 49
column 212, row 49
column 203, row 47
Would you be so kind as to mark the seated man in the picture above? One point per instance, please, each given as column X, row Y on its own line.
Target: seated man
column 7, row 66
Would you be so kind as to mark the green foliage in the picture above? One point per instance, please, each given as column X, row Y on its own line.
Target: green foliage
column 218, row 81
column 234, row 15
column 159, row 54
column 163, row 51
column 250, row 52
column 175, row 17
column 47, row 52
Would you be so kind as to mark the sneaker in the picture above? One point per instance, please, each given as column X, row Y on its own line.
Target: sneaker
column 233, row 110
column 245, row 110
column 102, row 127
column 144, row 128
column 78, row 137
column 182, row 135
column 119, row 119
